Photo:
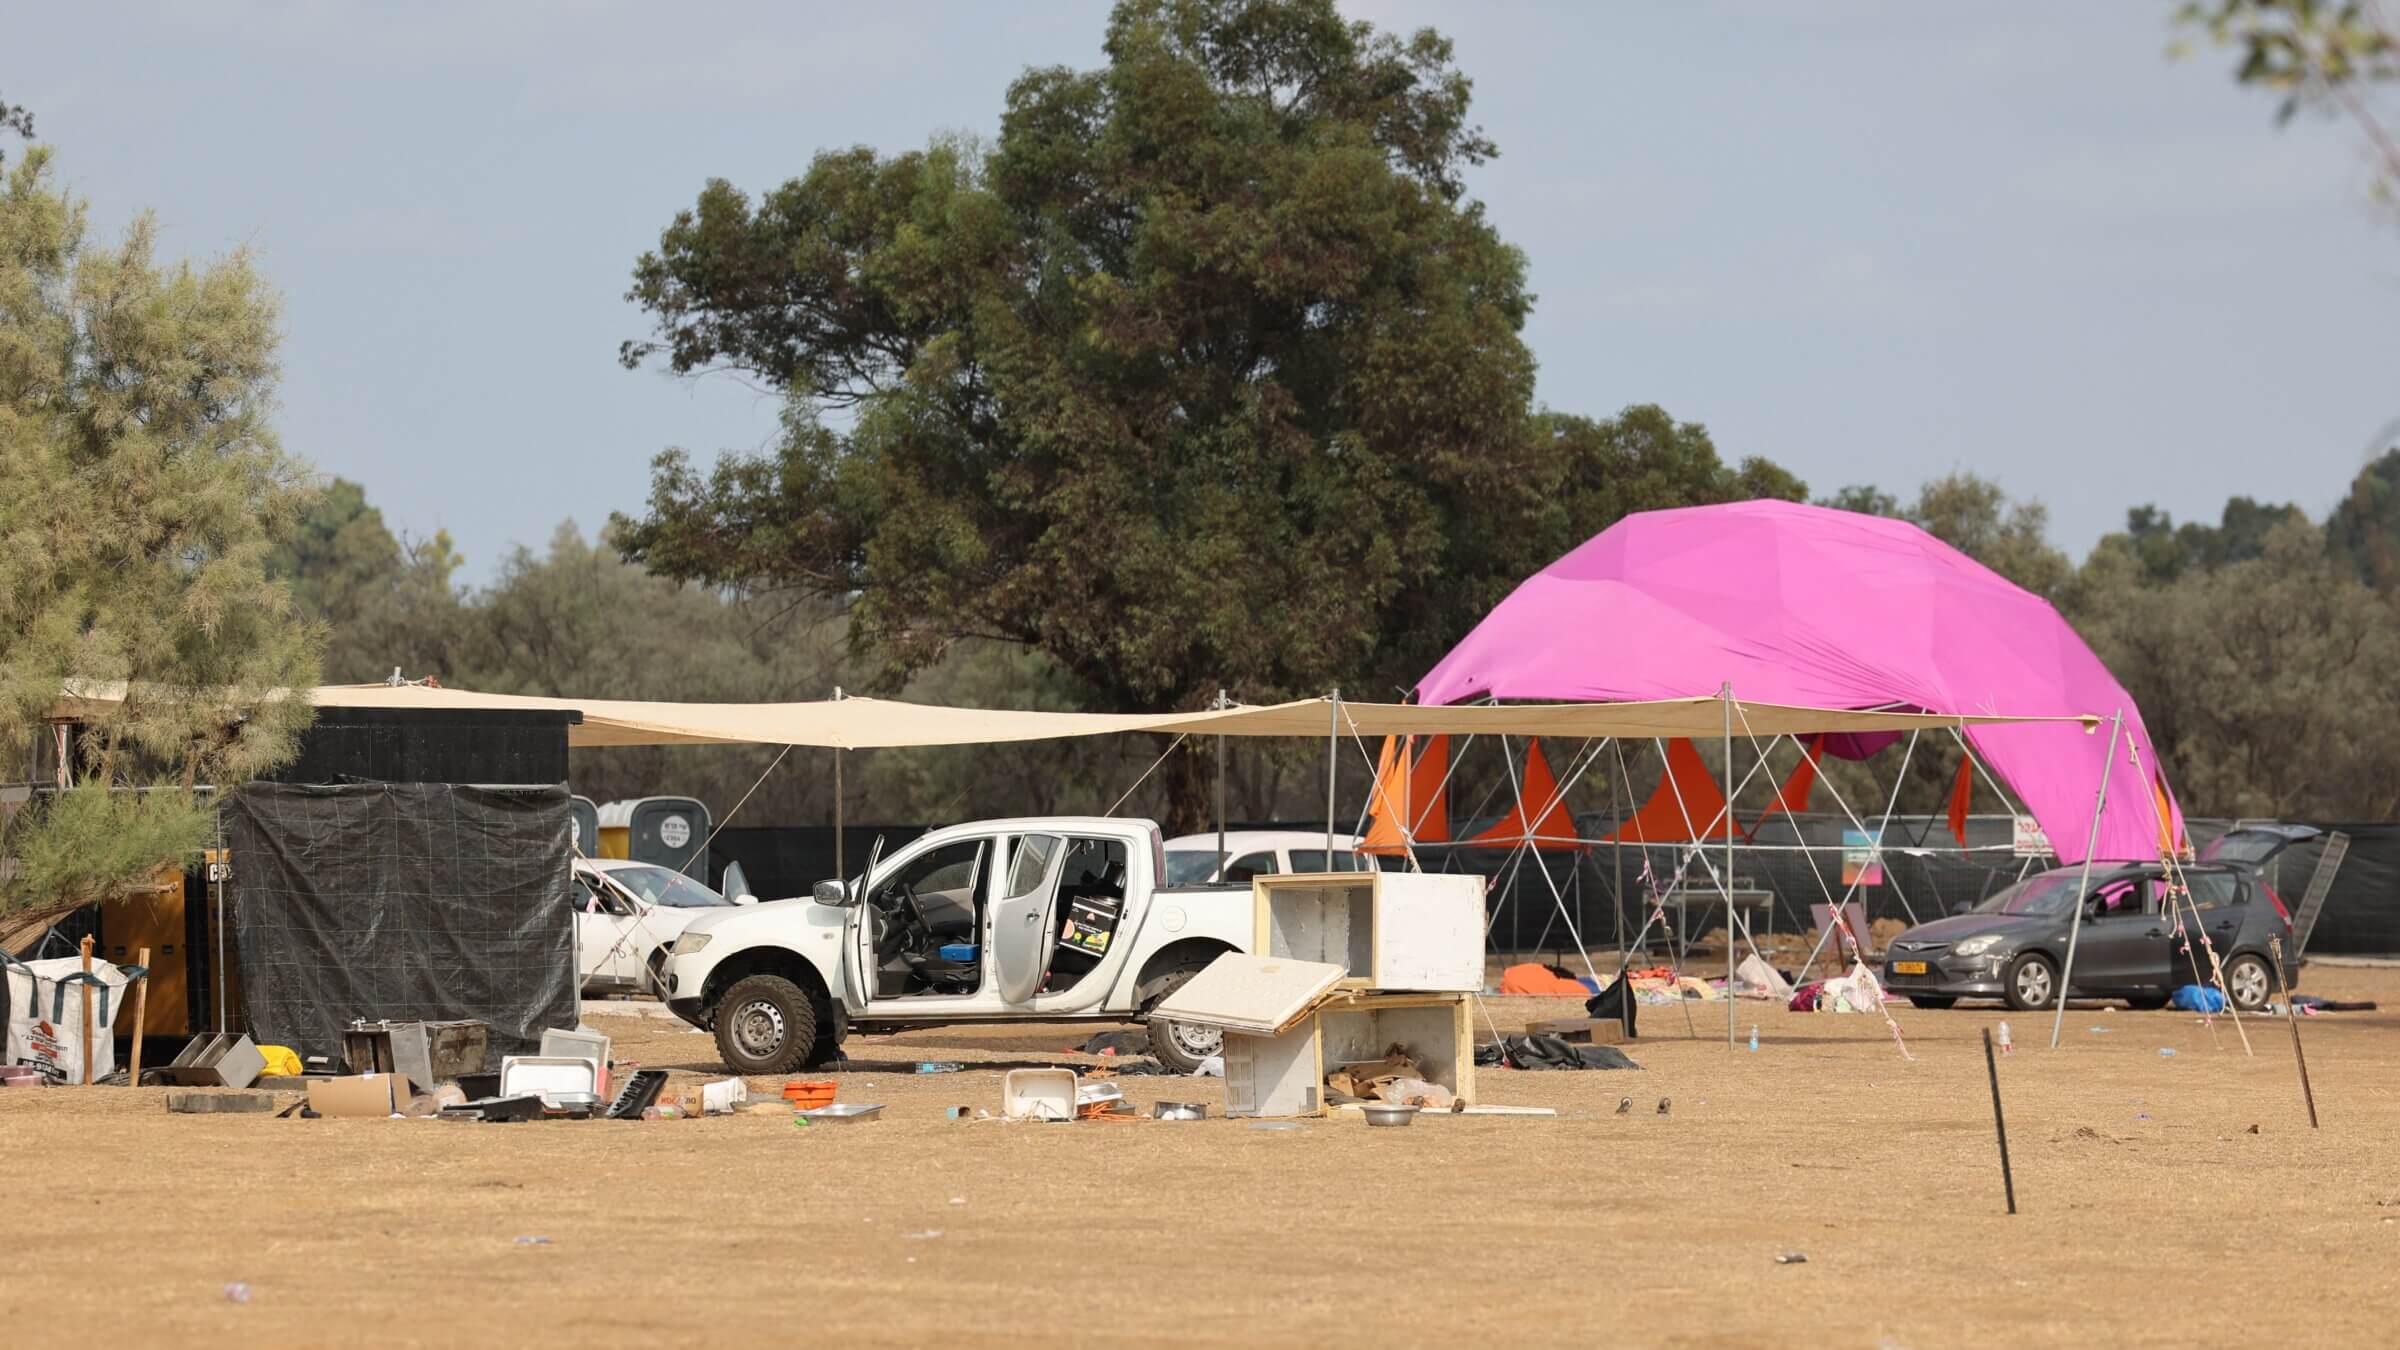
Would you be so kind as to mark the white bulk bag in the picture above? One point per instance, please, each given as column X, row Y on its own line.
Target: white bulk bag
column 45, row 1016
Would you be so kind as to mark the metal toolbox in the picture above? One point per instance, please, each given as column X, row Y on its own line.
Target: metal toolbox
column 427, row 1053
column 226, row 1059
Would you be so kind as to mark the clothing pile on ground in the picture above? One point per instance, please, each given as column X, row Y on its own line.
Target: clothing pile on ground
column 1858, row 991
column 1550, row 1052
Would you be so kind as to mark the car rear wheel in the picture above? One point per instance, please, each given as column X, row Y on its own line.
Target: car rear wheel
column 1937, row 1002
column 765, row 1025
column 2031, row 982
column 2248, row 981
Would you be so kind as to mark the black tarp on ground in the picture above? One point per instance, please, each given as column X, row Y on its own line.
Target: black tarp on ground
column 431, row 901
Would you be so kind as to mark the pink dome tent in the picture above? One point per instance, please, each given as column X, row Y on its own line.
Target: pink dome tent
column 1820, row 608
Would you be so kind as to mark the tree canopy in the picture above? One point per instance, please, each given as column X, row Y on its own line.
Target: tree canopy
column 1205, row 374
column 141, row 490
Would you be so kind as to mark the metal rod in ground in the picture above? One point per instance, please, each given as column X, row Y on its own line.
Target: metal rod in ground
column 2083, row 887
column 2292, row 1015
column 1991, row 1066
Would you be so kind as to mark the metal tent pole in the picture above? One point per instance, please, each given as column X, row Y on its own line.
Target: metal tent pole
column 1219, row 875
column 841, row 871
column 1725, row 695
column 1616, row 848
column 1333, row 738
column 2091, row 843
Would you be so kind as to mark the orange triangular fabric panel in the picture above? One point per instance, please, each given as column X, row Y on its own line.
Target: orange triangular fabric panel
column 1428, row 792
column 2166, row 817
column 1390, row 804
column 1792, row 799
column 1408, row 787
column 1680, row 808
column 1962, row 795
column 1537, row 790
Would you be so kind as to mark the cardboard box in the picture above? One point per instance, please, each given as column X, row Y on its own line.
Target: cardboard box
column 363, row 1095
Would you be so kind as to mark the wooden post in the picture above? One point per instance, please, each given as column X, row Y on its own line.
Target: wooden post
column 86, row 991
column 1991, row 1067
column 141, row 1009
column 2292, row 1015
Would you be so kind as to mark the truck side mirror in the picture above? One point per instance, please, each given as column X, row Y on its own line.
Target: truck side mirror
column 832, row 893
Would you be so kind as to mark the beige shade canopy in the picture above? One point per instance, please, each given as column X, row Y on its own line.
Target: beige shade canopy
column 870, row 723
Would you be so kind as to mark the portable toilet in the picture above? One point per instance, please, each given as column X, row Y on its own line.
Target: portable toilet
column 668, row 831
column 583, row 818
column 614, row 820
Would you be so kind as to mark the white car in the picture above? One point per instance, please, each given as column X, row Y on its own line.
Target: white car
column 1192, row 858
column 627, row 914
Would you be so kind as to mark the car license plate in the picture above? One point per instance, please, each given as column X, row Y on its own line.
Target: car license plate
column 1908, row 967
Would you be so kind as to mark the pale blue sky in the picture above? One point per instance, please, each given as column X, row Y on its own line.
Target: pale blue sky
column 1872, row 240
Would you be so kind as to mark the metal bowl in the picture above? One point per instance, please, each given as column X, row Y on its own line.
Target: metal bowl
column 1179, row 1110
column 1388, row 1113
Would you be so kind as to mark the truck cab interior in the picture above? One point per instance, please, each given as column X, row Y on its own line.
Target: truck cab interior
column 928, row 917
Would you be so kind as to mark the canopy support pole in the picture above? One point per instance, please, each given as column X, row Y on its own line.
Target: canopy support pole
column 2091, row 841
column 1616, row 847
column 1333, row 745
column 1218, row 873
column 1725, row 883
column 841, row 871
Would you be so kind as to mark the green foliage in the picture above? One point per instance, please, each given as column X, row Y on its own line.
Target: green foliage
column 1975, row 517
column 141, row 491
column 1205, row 374
column 2265, row 683
column 1863, row 498
column 2332, row 54
column 2166, row 550
column 15, row 117
column 2363, row 533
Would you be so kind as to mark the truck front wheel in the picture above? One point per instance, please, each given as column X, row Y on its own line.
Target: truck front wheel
column 765, row 1025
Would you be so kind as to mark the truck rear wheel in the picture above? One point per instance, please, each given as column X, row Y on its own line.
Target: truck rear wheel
column 1178, row 1046
column 765, row 1025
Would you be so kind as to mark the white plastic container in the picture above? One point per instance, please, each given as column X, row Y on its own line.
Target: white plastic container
column 1038, row 1094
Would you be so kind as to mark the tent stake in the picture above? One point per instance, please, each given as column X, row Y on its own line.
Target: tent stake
column 1991, row 1067
column 2091, row 841
column 2292, row 1015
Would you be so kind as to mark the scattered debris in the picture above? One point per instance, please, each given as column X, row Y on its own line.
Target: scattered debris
column 533, row 1242
column 190, row 1101
column 1662, row 1105
column 1624, row 1105
column 237, row 1292
column 1792, row 1259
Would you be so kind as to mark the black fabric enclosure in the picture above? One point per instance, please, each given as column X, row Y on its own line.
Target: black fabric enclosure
column 432, row 901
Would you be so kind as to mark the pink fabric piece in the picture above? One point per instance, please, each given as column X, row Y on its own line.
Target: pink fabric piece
column 1830, row 609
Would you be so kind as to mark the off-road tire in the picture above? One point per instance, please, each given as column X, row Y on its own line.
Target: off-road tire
column 1164, row 1047
column 2013, row 984
column 748, row 1018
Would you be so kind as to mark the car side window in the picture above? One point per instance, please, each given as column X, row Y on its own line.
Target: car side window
column 1031, row 864
column 2214, row 890
column 593, row 898
column 2119, row 899
column 1242, row 869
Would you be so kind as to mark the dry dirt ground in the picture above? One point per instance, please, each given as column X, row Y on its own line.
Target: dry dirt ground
column 2163, row 1200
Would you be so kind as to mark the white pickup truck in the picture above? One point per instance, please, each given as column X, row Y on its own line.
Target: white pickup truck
column 1056, row 918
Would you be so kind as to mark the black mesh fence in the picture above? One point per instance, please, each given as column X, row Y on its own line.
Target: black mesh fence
column 420, row 901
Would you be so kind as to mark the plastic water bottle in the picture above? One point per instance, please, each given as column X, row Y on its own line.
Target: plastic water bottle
column 1754, row 1038
column 2005, row 1047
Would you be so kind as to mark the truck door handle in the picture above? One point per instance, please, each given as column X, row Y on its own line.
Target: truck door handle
column 1032, row 919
